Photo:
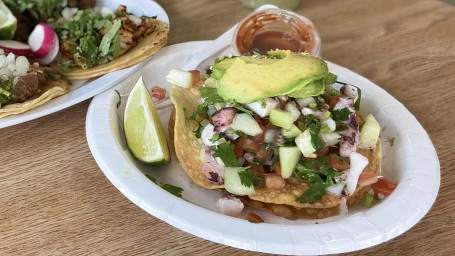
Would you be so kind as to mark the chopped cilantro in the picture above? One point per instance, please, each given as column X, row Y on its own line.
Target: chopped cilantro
column 314, row 193
column 320, row 161
column 254, row 52
column 242, row 109
column 339, row 158
column 6, row 84
column 316, row 141
column 263, row 103
column 357, row 102
column 151, row 178
column 210, row 95
column 196, row 131
column 306, row 174
column 215, row 137
column 246, row 178
column 301, row 125
column 340, row 114
column 240, row 133
column 320, row 174
column 225, row 151
column 148, row 17
column 176, row 191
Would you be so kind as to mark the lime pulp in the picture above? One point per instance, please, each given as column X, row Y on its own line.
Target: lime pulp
column 143, row 130
column 8, row 23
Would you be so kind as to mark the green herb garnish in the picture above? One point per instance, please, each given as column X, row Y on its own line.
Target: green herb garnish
column 225, row 151
column 246, row 178
column 176, row 191
column 320, row 174
column 340, row 114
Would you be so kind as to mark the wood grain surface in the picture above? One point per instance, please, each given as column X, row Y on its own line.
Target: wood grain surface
column 54, row 199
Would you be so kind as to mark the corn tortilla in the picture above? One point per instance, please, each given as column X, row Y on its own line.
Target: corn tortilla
column 190, row 152
column 145, row 48
column 52, row 89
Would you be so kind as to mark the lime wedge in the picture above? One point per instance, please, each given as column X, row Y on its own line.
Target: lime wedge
column 8, row 23
column 143, row 131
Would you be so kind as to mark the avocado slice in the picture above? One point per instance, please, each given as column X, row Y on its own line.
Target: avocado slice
column 248, row 79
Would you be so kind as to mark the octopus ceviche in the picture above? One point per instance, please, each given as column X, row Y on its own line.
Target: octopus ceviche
column 277, row 133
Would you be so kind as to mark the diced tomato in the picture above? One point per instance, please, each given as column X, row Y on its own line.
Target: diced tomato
column 253, row 217
column 367, row 178
column 257, row 168
column 267, row 169
column 274, row 181
column 260, row 137
column 238, row 151
column 247, row 144
column 383, row 186
column 261, row 154
column 278, row 168
column 158, row 92
column 332, row 100
column 336, row 163
column 323, row 151
column 196, row 77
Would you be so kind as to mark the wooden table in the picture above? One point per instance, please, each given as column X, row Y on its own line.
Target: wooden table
column 55, row 200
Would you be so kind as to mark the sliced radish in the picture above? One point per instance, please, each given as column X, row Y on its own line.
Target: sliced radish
column 44, row 43
column 15, row 47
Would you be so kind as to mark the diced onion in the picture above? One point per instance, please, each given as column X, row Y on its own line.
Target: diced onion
column 335, row 189
column 270, row 135
column 136, row 20
column 343, row 206
column 249, row 157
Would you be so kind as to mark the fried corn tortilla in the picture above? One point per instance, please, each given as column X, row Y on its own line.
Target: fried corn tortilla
column 189, row 150
column 50, row 90
column 147, row 47
column 283, row 202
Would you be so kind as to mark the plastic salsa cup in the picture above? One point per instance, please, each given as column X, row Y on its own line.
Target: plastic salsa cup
column 276, row 29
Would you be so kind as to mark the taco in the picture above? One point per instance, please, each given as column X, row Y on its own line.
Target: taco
column 273, row 131
column 24, row 86
column 97, row 41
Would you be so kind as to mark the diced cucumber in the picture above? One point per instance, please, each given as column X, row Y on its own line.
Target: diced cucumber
column 304, row 102
column 289, row 157
column 246, row 124
column 291, row 107
column 281, row 118
column 303, row 142
column 369, row 132
column 292, row 133
column 233, row 183
column 259, row 108
column 180, row 78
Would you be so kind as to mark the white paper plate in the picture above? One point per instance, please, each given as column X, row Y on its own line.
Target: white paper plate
column 84, row 89
column 411, row 161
